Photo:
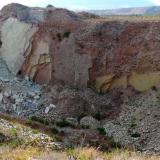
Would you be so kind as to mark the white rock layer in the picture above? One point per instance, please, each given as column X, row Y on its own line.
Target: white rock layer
column 16, row 39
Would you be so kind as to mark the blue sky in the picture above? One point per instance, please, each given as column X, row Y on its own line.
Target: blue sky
column 85, row 4
column 102, row 4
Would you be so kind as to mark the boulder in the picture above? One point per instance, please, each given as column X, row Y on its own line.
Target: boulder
column 89, row 122
column 49, row 108
column 7, row 93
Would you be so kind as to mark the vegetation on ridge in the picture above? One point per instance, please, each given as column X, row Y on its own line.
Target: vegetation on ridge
column 12, row 147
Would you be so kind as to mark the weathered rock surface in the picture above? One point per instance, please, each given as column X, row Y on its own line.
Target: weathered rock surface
column 55, row 44
column 16, row 37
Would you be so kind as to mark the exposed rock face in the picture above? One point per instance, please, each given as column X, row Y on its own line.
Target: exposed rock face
column 16, row 37
column 56, row 44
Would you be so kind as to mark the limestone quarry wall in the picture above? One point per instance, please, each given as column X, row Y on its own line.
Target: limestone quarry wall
column 16, row 40
column 56, row 44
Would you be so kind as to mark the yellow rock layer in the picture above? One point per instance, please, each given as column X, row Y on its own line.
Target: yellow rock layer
column 140, row 82
column 120, row 82
column 143, row 82
column 102, row 82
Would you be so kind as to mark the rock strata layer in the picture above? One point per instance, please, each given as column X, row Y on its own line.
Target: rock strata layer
column 56, row 44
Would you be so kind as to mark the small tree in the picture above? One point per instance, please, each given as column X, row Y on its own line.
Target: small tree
column 49, row 6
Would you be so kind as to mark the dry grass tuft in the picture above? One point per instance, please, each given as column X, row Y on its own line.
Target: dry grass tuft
column 128, row 155
column 19, row 154
column 93, row 154
column 72, row 154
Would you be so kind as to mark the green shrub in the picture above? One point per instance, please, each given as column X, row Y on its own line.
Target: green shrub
column 102, row 130
column 133, row 125
column 54, row 130
column 49, row 6
column 13, row 132
column 35, row 131
column 66, row 34
column 63, row 123
column 136, row 135
column 113, row 144
column 99, row 116
column 38, row 119
column 85, row 126
column 14, row 143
